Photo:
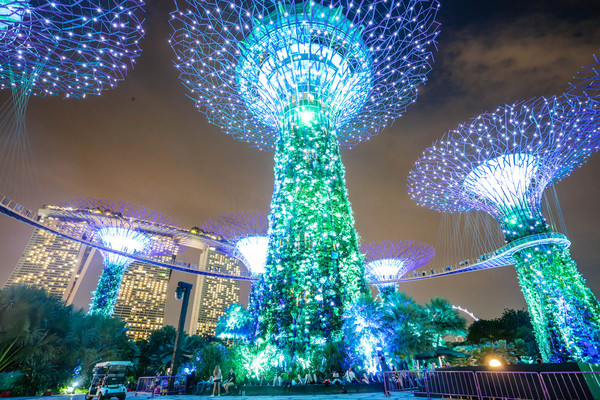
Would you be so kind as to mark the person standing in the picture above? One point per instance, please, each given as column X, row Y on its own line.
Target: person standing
column 216, row 380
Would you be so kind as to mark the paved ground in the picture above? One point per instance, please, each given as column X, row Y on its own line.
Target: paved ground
column 353, row 396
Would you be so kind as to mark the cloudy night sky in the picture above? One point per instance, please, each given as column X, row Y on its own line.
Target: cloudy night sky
column 145, row 143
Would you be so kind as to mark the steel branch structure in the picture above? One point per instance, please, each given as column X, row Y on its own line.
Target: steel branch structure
column 71, row 48
column 120, row 226
column 501, row 163
column 391, row 260
column 304, row 79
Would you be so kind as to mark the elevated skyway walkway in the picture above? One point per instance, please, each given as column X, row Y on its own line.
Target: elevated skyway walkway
column 498, row 258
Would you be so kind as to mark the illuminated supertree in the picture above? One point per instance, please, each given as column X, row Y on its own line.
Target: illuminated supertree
column 247, row 236
column 305, row 78
column 501, row 163
column 58, row 47
column 119, row 226
column 388, row 261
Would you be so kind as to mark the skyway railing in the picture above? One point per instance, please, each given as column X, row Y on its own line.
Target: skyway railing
column 498, row 258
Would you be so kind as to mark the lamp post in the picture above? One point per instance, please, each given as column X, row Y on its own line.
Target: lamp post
column 181, row 293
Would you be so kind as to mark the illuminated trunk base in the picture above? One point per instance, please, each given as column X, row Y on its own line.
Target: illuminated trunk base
column 564, row 312
column 105, row 295
column 314, row 266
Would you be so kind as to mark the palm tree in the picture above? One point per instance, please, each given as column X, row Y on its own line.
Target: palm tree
column 445, row 320
column 408, row 327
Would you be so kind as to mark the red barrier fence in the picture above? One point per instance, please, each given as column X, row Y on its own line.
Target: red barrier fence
column 491, row 385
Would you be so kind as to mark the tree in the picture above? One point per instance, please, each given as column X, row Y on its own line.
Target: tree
column 409, row 330
column 363, row 330
column 46, row 340
column 511, row 326
column 234, row 324
column 445, row 320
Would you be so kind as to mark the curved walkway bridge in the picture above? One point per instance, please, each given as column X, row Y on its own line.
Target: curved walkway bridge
column 498, row 258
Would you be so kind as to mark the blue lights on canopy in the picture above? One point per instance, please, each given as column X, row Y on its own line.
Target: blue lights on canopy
column 388, row 261
column 122, row 239
column 123, row 227
column 11, row 12
column 246, row 235
column 250, row 65
column 501, row 162
column 73, row 48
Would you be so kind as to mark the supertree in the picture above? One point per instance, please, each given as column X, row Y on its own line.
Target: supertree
column 246, row 234
column 501, row 163
column 59, row 47
column 304, row 79
column 388, row 261
column 123, row 227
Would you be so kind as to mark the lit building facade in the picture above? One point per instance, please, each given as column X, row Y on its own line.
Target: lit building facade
column 142, row 298
column 52, row 263
column 216, row 294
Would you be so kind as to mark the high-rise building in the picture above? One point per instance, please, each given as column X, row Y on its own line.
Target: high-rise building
column 51, row 262
column 210, row 296
column 217, row 293
column 142, row 298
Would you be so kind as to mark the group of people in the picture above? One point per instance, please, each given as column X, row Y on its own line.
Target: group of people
column 305, row 377
column 310, row 377
column 216, row 381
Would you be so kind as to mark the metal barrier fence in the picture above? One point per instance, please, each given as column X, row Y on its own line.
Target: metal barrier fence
column 404, row 381
column 505, row 385
column 161, row 385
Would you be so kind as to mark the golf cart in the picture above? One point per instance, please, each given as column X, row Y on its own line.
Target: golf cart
column 109, row 380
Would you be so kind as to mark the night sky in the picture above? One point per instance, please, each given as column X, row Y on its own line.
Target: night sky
column 145, row 143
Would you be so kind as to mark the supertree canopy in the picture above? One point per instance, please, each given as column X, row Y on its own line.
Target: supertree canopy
column 585, row 86
column 59, row 47
column 72, row 48
column 123, row 227
column 501, row 163
column 388, row 261
column 305, row 78
column 246, row 233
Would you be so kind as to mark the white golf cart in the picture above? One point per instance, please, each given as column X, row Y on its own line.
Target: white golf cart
column 108, row 380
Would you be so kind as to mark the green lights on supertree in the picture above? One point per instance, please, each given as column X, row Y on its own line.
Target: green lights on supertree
column 501, row 163
column 305, row 79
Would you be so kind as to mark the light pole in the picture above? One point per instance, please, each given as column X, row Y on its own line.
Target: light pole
column 181, row 293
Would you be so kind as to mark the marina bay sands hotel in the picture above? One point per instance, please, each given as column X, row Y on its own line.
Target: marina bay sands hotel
column 146, row 298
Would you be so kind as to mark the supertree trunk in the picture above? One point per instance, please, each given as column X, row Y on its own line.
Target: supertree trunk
column 104, row 297
column 314, row 266
column 564, row 311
